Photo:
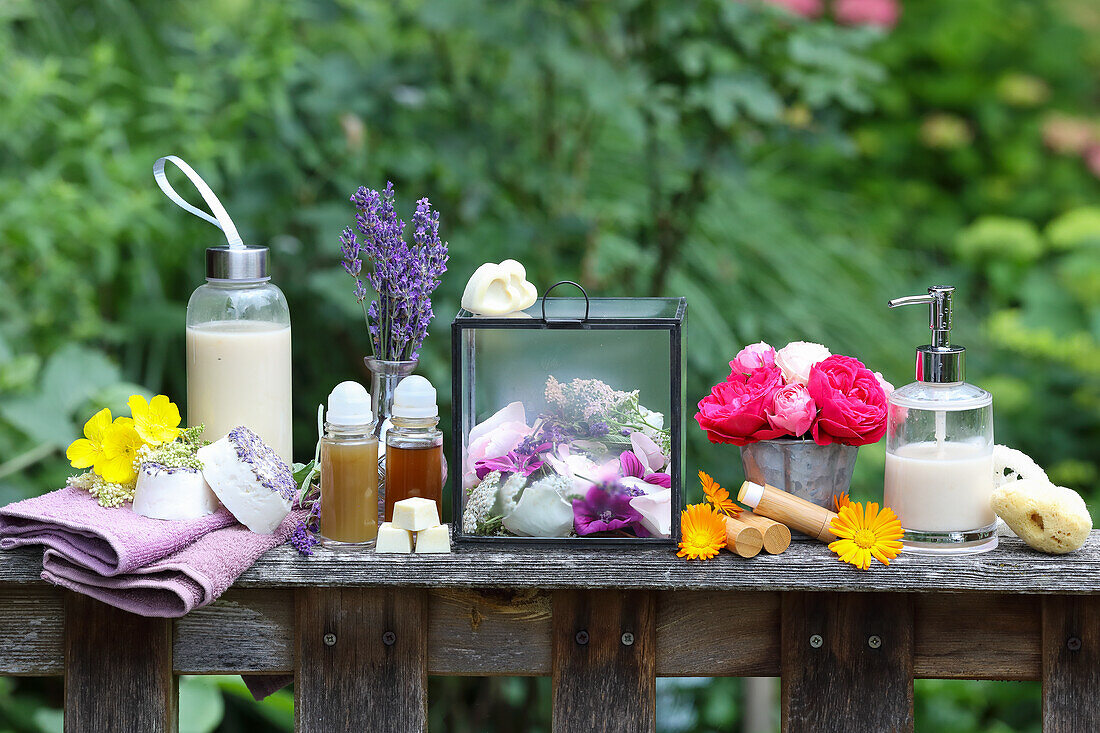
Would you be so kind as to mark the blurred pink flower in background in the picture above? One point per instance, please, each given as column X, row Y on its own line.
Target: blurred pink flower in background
column 1092, row 159
column 804, row 8
column 1069, row 135
column 878, row 13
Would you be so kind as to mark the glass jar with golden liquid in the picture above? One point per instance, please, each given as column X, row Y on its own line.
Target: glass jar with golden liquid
column 349, row 468
column 414, row 445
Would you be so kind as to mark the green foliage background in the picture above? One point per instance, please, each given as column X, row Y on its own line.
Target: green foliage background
column 787, row 176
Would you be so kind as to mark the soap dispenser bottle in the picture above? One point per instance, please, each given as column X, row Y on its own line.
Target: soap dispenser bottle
column 939, row 446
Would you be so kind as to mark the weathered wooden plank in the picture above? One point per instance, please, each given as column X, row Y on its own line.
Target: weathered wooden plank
column 32, row 630
column 361, row 659
column 1071, row 664
column 806, row 565
column 717, row 634
column 490, row 632
column 118, row 670
column 604, row 661
column 847, row 662
column 977, row 636
column 246, row 630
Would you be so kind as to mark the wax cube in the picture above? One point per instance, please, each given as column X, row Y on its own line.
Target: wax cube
column 434, row 539
column 393, row 539
column 415, row 514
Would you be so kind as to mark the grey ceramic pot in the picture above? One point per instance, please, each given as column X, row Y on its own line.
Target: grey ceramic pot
column 801, row 467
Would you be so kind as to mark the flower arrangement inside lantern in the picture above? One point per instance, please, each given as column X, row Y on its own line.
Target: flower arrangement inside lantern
column 568, row 428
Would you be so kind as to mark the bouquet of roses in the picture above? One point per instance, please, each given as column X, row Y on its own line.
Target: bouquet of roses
column 799, row 391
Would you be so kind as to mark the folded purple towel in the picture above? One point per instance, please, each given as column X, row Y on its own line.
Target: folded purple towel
column 105, row 541
column 150, row 567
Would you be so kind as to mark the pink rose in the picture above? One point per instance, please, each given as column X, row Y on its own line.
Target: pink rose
column 495, row 437
column 879, row 13
column 852, row 402
column 793, row 410
column 796, row 359
column 734, row 411
column 886, row 386
column 753, row 357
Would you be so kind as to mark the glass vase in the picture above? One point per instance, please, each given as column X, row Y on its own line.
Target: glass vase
column 810, row 471
column 384, row 378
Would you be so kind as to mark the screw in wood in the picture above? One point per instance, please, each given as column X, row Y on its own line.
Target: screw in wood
column 874, row 641
column 329, row 639
column 389, row 638
column 816, row 641
column 1073, row 643
column 582, row 637
column 628, row 639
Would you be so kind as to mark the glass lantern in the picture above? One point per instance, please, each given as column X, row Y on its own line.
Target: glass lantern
column 568, row 422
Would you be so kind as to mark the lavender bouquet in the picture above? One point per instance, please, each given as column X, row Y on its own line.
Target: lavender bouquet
column 403, row 276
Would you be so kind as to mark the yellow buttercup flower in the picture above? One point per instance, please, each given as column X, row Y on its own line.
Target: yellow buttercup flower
column 121, row 443
column 156, row 421
column 702, row 532
column 864, row 535
column 84, row 452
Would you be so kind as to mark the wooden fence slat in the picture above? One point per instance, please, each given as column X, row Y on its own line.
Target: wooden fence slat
column 361, row 659
column 118, row 670
column 1071, row 664
column 246, row 630
column 32, row 630
column 604, row 661
column 717, row 634
column 490, row 632
column 847, row 662
column 976, row 636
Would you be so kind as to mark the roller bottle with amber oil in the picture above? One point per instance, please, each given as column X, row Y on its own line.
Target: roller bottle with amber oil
column 414, row 445
column 349, row 468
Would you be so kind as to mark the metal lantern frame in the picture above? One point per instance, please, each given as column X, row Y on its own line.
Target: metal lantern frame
column 460, row 410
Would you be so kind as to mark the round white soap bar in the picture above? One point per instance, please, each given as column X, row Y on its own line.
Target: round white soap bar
column 172, row 493
column 250, row 478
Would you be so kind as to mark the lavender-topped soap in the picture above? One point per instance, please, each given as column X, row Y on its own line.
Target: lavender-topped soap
column 250, row 478
column 172, row 492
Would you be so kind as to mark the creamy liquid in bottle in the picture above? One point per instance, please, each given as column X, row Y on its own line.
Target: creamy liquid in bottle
column 238, row 373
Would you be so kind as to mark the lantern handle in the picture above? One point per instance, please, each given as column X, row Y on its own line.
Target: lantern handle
column 578, row 286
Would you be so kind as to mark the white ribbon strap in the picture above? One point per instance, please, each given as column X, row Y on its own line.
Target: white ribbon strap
column 220, row 219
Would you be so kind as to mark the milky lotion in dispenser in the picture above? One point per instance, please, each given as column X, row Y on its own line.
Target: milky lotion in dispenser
column 238, row 334
column 939, row 446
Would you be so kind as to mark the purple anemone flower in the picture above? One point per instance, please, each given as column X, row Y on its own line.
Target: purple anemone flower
column 513, row 462
column 605, row 508
column 631, row 465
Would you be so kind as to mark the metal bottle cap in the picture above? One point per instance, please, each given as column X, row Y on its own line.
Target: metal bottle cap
column 939, row 361
column 237, row 263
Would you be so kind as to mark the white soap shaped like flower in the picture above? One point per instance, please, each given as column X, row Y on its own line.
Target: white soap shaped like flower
column 250, row 479
column 415, row 514
column 499, row 289
column 434, row 540
column 393, row 539
column 165, row 492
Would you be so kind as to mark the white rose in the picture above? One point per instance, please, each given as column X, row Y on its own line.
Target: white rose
column 796, row 358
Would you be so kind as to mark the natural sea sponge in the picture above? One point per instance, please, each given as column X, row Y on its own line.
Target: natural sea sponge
column 1049, row 518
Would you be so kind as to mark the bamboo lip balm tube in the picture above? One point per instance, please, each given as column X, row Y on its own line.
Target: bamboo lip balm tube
column 742, row 539
column 777, row 537
column 806, row 517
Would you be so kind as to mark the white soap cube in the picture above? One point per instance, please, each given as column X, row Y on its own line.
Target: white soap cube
column 434, row 539
column 415, row 514
column 393, row 539
column 172, row 493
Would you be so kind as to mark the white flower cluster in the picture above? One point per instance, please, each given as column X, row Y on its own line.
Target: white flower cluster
column 479, row 503
column 106, row 493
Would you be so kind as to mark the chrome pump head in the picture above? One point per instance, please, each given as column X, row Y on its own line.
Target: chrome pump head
column 938, row 362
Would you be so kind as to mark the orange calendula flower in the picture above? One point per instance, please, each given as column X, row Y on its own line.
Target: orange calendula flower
column 840, row 501
column 863, row 535
column 718, row 496
column 702, row 532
